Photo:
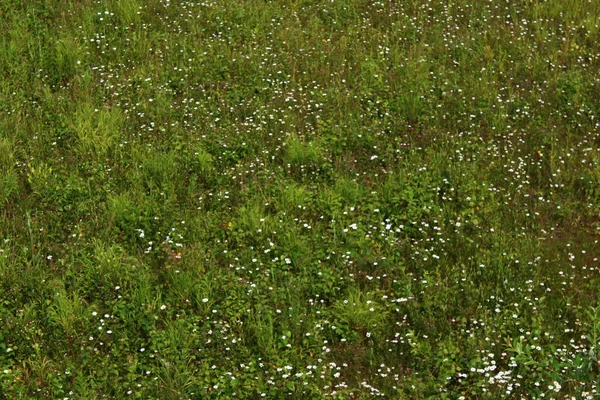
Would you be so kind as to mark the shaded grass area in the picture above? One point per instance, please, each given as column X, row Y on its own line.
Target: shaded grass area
column 304, row 199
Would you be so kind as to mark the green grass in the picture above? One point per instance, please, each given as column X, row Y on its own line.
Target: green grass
column 299, row 199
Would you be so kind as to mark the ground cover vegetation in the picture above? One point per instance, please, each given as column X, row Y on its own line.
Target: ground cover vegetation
column 299, row 199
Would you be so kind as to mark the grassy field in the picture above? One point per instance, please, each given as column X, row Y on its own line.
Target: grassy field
column 299, row 199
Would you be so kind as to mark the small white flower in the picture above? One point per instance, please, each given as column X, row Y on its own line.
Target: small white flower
column 557, row 387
